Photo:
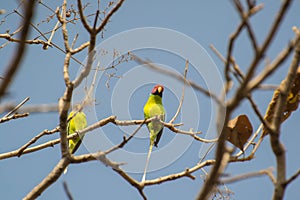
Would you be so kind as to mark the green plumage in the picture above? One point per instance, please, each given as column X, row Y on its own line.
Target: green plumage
column 77, row 123
column 154, row 108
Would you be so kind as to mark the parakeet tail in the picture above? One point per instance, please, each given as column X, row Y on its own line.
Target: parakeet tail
column 147, row 162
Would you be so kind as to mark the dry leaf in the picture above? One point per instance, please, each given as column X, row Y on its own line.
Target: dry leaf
column 239, row 131
column 291, row 104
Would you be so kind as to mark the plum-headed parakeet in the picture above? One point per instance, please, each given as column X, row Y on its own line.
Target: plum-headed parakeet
column 154, row 108
column 77, row 122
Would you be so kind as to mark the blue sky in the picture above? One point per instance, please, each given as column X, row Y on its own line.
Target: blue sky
column 205, row 22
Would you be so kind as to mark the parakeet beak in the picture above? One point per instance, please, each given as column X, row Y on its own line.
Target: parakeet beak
column 159, row 89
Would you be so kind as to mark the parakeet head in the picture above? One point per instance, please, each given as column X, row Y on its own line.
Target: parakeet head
column 158, row 90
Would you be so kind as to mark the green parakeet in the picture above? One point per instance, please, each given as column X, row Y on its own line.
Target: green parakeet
column 154, row 108
column 77, row 123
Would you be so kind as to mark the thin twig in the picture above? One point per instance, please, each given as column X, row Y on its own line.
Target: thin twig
column 38, row 108
column 9, row 38
column 182, row 93
column 45, row 47
column 33, row 140
column 108, row 16
column 250, row 141
column 185, row 173
column 267, row 172
column 14, row 116
column 245, row 18
column 292, row 178
column 17, row 107
column 177, row 77
column 231, row 43
column 67, row 191
column 270, row 69
column 18, row 55
column 125, row 140
column 48, row 180
column 53, row 44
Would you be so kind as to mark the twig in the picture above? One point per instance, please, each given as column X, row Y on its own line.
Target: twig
column 177, row 77
column 14, row 116
column 17, row 107
column 175, row 130
column 231, row 43
column 74, row 41
column 270, row 69
column 33, row 140
column 244, row 87
column 18, row 55
column 277, row 146
column 182, row 93
column 80, row 48
column 93, row 32
column 9, row 38
column 45, row 47
column 251, row 141
column 221, row 153
column 53, row 44
column 115, row 166
column 103, row 122
column 39, row 108
column 48, row 180
column 275, row 26
column 267, row 172
column 245, row 18
column 185, row 173
column 108, row 16
column 249, row 96
column 88, row 97
column 222, row 161
column 67, row 191
column 62, row 19
column 125, row 140
column 82, row 17
column 292, row 178
column 254, row 106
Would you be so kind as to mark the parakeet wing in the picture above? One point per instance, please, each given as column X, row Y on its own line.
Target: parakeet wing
column 78, row 122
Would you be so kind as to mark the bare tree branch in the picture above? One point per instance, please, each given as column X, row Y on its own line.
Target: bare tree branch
column 48, row 180
column 231, row 43
column 17, row 58
column 277, row 146
column 108, row 16
column 245, row 17
column 269, row 69
column 17, row 107
column 14, row 116
column 9, row 38
column 33, row 140
column 292, row 178
column 176, row 76
column 241, row 92
column 185, row 173
column 267, row 172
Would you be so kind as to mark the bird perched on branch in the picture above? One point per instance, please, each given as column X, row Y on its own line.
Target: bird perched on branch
column 77, row 122
column 154, row 109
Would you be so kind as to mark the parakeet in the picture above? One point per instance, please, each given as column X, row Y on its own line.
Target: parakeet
column 154, row 108
column 77, row 122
